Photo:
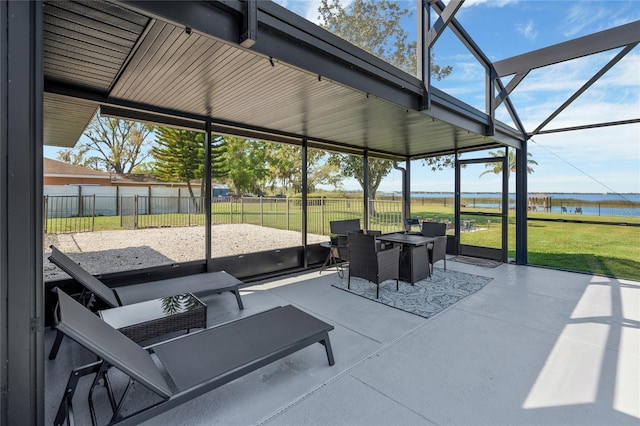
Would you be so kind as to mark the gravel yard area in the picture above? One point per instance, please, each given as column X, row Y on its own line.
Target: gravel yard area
column 121, row 250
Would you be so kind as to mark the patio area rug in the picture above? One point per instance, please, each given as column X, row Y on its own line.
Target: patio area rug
column 477, row 261
column 426, row 298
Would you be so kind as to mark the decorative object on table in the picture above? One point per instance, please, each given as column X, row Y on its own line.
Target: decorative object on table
column 427, row 297
column 409, row 223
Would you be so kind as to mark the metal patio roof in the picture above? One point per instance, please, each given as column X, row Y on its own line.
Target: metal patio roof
column 182, row 62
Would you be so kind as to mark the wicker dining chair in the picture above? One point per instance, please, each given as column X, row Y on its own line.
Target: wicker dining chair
column 434, row 229
column 372, row 265
column 437, row 250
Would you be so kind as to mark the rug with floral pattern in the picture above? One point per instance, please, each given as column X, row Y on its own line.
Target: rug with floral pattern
column 426, row 298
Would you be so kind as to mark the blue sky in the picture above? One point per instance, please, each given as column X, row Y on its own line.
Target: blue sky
column 598, row 160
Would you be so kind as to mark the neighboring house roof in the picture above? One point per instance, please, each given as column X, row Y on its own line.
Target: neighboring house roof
column 55, row 168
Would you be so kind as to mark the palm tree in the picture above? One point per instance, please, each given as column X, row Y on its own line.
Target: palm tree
column 497, row 166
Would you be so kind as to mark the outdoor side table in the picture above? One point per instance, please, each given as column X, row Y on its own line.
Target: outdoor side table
column 146, row 320
column 333, row 258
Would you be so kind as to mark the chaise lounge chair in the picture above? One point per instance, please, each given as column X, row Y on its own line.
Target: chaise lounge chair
column 198, row 284
column 183, row 368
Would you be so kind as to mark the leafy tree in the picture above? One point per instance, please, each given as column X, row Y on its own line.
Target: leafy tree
column 145, row 168
column 497, row 166
column 247, row 163
column 117, row 145
column 285, row 168
column 320, row 171
column 179, row 156
column 353, row 166
column 440, row 163
column 375, row 26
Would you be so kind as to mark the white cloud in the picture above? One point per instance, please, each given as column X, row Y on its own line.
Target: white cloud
column 490, row 3
column 527, row 30
column 581, row 17
column 311, row 9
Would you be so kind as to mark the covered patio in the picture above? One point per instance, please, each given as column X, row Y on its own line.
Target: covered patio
column 534, row 346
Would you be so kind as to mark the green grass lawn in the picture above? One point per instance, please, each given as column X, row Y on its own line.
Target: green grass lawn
column 601, row 249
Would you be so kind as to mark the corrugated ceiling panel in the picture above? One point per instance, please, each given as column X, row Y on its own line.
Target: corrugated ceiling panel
column 207, row 77
column 65, row 119
column 86, row 43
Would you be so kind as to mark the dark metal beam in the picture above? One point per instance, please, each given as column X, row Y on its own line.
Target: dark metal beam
column 509, row 105
column 585, row 86
column 406, row 190
column 590, row 126
column 365, row 178
column 207, row 194
column 21, row 277
column 250, row 24
column 510, row 87
column 148, row 117
column 521, row 204
column 305, row 197
column 463, row 36
column 490, row 81
column 572, row 49
column 446, row 16
column 424, row 50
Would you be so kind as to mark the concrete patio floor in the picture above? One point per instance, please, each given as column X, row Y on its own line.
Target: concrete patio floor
column 533, row 347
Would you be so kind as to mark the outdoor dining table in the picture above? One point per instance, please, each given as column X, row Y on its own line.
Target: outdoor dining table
column 414, row 256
